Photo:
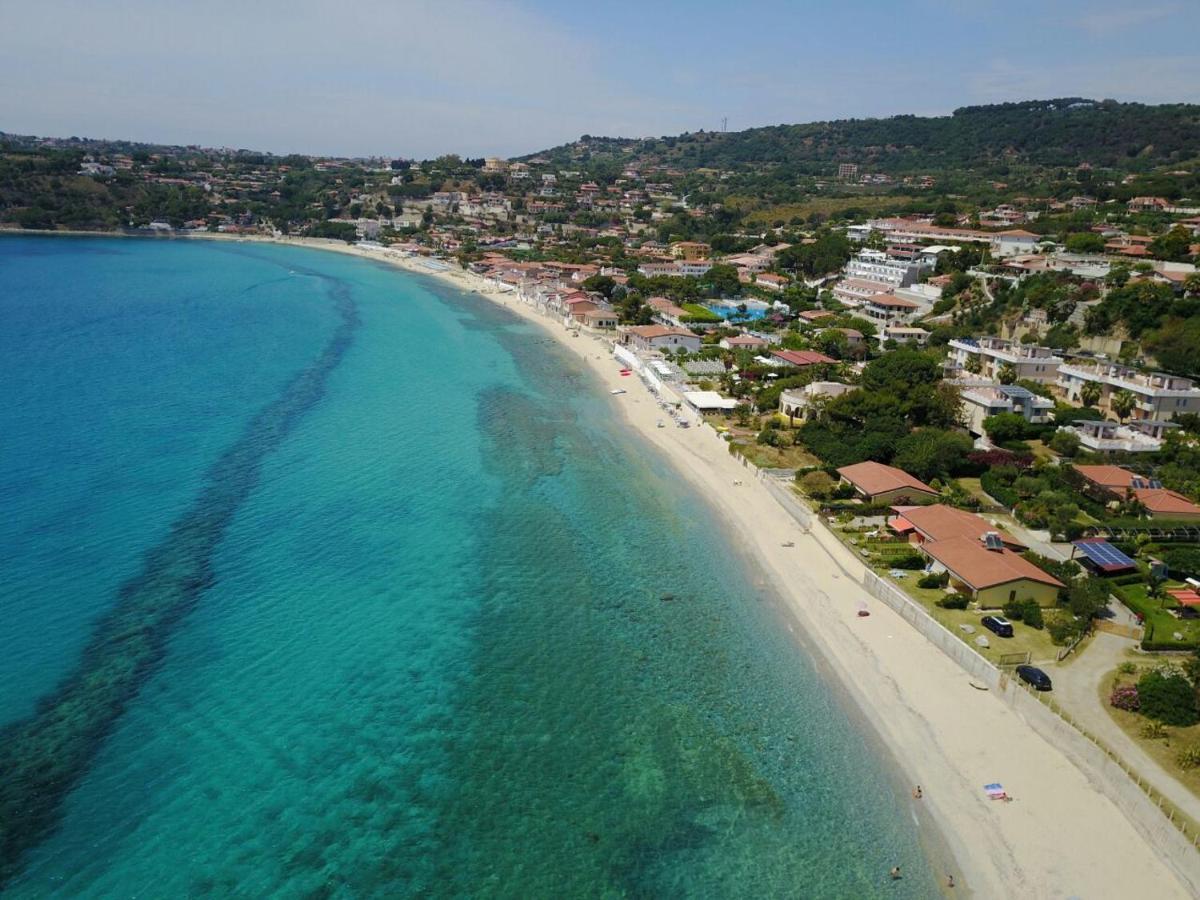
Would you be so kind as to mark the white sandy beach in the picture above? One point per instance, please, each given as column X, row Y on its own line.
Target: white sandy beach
column 1060, row 837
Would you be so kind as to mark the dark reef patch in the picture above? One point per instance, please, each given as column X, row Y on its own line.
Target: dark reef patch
column 44, row 757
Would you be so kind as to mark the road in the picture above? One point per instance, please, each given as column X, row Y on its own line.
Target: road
column 1077, row 690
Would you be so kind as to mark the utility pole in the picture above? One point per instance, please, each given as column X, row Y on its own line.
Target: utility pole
column 724, row 124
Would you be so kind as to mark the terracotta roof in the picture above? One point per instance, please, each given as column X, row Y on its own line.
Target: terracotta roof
column 1107, row 476
column 971, row 562
column 1165, row 502
column 940, row 522
column 875, row 478
column 802, row 357
column 891, row 300
column 654, row 331
column 748, row 340
column 813, row 314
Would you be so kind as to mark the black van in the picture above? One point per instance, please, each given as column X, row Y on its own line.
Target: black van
column 1034, row 676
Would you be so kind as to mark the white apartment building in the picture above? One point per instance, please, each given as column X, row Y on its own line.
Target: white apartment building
column 1144, row 436
column 875, row 265
column 1158, row 396
column 856, row 291
column 889, row 308
column 981, row 399
column 1028, row 361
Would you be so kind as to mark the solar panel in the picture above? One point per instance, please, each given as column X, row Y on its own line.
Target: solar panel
column 1137, row 483
column 992, row 541
column 1104, row 554
column 1155, row 483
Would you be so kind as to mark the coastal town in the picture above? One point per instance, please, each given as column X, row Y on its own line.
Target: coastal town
column 979, row 397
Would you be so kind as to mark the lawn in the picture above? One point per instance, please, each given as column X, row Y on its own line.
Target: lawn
column 767, row 457
column 1163, row 750
column 698, row 313
column 1161, row 625
column 975, row 489
column 1033, row 641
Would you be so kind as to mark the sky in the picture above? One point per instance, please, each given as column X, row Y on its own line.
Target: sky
column 509, row 77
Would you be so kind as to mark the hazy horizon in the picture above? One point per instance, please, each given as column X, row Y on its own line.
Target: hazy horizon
column 507, row 79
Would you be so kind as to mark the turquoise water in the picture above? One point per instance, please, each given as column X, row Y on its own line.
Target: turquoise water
column 732, row 312
column 399, row 610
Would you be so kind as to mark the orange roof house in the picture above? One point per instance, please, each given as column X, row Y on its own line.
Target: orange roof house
column 941, row 523
column 879, row 483
column 1120, row 484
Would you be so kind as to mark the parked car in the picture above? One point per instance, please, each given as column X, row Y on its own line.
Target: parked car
column 998, row 624
column 1034, row 676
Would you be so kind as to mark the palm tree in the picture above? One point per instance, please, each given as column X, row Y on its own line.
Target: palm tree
column 1089, row 394
column 1191, row 284
column 1122, row 404
column 974, row 364
column 1006, row 374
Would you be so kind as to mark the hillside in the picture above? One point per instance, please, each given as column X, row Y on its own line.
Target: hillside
column 1062, row 132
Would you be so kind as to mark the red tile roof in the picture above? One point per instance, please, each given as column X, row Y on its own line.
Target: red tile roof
column 874, row 478
column 802, row 357
column 978, row 567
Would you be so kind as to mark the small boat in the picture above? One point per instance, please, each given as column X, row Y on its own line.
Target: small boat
column 662, row 424
column 617, row 391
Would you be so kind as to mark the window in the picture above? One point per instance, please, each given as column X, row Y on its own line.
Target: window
column 1012, row 595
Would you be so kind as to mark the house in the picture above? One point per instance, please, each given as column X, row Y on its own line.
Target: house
column 709, row 401
column 878, row 483
column 889, row 308
column 603, row 319
column 666, row 312
column 660, row 337
column 939, row 522
column 770, row 282
column 981, row 400
column 743, row 342
column 903, row 334
column 799, row 403
column 815, row 315
column 1116, row 483
column 694, row 268
column 799, row 358
column 990, row 354
column 690, row 250
column 990, row 572
column 1148, row 204
column 856, row 291
column 854, row 337
column 1015, row 241
column 1157, row 394
column 894, row 270
column 1138, row 436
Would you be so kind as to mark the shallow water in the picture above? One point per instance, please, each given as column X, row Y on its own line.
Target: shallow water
column 463, row 635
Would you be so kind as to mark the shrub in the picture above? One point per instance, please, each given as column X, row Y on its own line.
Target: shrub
column 1014, row 609
column 817, row 484
column 1031, row 615
column 934, row 580
column 1168, row 697
column 1125, row 697
column 954, row 601
column 1188, row 757
column 1065, row 628
column 1126, row 668
column 910, row 560
column 1154, row 731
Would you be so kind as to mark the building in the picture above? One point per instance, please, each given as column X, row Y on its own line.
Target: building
column 1148, row 204
column 938, row 522
column 694, row 268
column 903, row 334
column 690, row 250
column 709, row 401
column 990, row 572
column 1029, row 361
column 1015, row 242
column 602, row 319
column 799, row 358
column 878, row 483
column 660, row 337
column 884, row 268
column 1157, row 395
column 981, row 400
column 889, row 308
column 800, row 403
column 1116, row 483
column 743, row 342
column 770, row 282
column 1138, row 436
column 856, row 291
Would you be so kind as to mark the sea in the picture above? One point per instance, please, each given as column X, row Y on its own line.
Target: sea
column 323, row 579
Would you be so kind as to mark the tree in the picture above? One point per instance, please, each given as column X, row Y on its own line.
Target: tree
column 1166, row 696
column 930, row 453
column 1122, row 403
column 1089, row 394
column 1065, row 443
column 1174, row 246
column 1085, row 242
column 602, row 284
column 1006, row 374
column 1191, row 284
column 974, row 364
column 1005, row 427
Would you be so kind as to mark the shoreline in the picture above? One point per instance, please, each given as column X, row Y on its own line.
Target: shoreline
column 1061, row 837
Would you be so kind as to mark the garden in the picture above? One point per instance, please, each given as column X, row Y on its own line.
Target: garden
column 1155, row 703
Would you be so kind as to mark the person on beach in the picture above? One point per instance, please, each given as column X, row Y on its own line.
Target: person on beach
column 949, row 881
column 917, row 795
column 895, row 873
